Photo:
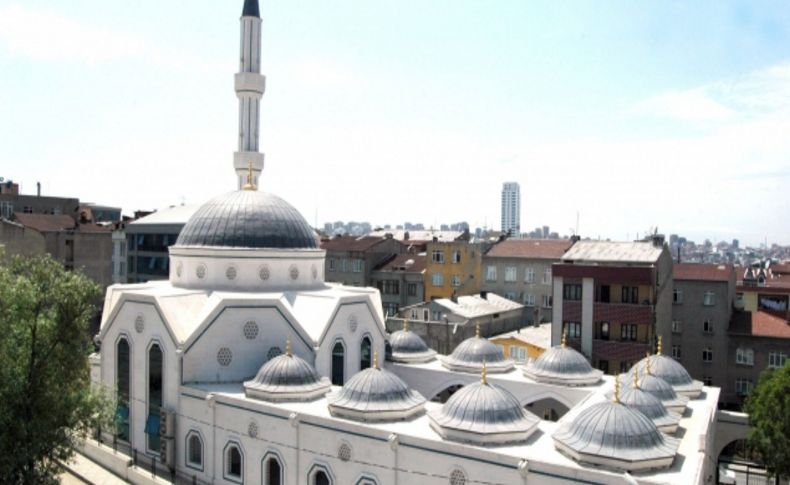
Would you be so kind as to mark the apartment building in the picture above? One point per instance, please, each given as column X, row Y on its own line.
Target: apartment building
column 520, row 270
column 148, row 240
column 612, row 298
column 400, row 281
column 452, row 268
column 350, row 260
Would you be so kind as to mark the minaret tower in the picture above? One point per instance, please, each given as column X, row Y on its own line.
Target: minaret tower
column 250, row 85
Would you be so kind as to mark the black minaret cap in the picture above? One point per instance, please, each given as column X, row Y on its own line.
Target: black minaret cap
column 251, row 9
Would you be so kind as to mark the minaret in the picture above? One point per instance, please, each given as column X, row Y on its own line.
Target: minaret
column 250, row 85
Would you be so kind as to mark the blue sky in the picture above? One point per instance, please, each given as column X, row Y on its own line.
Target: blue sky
column 635, row 114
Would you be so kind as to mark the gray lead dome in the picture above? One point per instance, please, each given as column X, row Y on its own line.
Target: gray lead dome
column 562, row 365
column 673, row 372
column 287, row 377
column 376, row 394
column 410, row 348
column 472, row 353
column 248, row 219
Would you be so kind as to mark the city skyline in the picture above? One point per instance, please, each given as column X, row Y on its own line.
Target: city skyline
column 573, row 113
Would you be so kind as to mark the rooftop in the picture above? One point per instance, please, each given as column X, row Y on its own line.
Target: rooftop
column 45, row 222
column 350, row 243
column 703, row 272
column 539, row 336
column 418, row 236
column 530, row 248
column 413, row 263
column 177, row 214
column 644, row 252
column 472, row 306
column 759, row 324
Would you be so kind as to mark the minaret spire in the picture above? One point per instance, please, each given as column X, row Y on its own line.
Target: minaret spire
column 250, row 85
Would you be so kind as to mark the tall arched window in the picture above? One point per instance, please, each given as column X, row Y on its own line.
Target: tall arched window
column 338, row 364
column 321, row 478
column 233, row 462
column 154, row 397
column 122, row 379
column 365, row 356
column 194, row 451
column 273, row 471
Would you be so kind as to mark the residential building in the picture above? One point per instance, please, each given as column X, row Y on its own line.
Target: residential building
column 520, row 270
column 13, row 202
column 149, row 239
column 612, row 299
column 524, row 343
column 400, row 281
column 702, row 306
column 419, row 237
column 511, row 209
column 444, row 323
column 350, row 260
column 17, row 239
column 764, row 287
column 452, row 268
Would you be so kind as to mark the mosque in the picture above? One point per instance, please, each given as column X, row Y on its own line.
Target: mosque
column 247, row 367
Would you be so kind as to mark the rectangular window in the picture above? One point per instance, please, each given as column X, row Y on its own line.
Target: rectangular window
column 547, row 276
column 356, row 265
column 743, row 387
column 709, row 298
column 572, row 329
column 604, row 366
column 518, row 353
column 456, row 257
column 602, row 330
column 546, row 301
column 437, row 279
column 344, row 265
column 510, row 296
column 677, row 326
column 455, row 280
column 630, row 294
column 27, row 210
column 707, row 326
column 426, row 314
column 776, row 359
column 411, row 289
column 572, row 292
column 414, row 314
column 605, row 293
column 529, row 300
column 676, row 352
column 628, row 332
column 490, row 273
column 677, row 296
column 510, row 274
column 744, row 356
column 437, row 256
column 625, row 366
column 707, row 354
column 707, row 380
column 529, row 275
column 331, row 264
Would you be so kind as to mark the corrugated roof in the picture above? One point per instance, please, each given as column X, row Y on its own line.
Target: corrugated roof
column 703, row 272
column 530, row 248
column 614, row 252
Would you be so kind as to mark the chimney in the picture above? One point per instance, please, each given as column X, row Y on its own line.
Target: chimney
column 484, row 295
column 657, row 239
column 678, row 253
column 575, row 238
column 38, row 189
column 406, row 236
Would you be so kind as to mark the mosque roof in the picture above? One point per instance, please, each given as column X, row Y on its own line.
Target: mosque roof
column 287, row 377
column 671, row 371
column 409, row 347
column 248, row 219
column 562, row 365
column 661, row 389
column 472, row 353
column 649, row 405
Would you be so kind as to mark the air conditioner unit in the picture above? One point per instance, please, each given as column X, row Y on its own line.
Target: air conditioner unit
column 167, row 423
column 166, row 452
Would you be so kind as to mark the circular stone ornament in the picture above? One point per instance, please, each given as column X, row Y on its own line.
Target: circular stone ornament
column 224, row 356
column 231, row 273
column 250, row 330
column 252, row 429
column 293, row 272
column 139, row 324
column 457, row 477
column 273, row 352
column 201, row 271
column 353, row 323
column 263, row 272
column 344, row 452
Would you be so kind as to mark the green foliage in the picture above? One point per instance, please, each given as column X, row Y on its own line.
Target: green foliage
column 769, row 414
column 46, row 401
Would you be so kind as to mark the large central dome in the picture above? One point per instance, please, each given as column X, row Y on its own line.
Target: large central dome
column 248, row 219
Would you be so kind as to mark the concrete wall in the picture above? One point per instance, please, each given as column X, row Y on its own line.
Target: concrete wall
column 520, row 288
column 20, row 240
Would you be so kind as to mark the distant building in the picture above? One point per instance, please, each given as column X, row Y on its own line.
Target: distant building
column 525, row 343
column 444, row 323
column 400, row 281
column 452, row 269
column 765, row 288
column 511, row 209
column 612, row 299
column 350, row 260
column 419, row 236
column 520, row 270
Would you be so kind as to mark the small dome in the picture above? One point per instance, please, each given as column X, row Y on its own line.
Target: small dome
column 248, row 219
column 470, row 355
column 410, row 348
column 483, row 414
column 671, row 371
column 375, row 394
column 287, row 377
column 562, row 365
column 661, row 389
column 612, row 435
column 649, row 405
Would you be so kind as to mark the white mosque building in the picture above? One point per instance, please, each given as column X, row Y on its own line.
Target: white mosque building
column 247, row 367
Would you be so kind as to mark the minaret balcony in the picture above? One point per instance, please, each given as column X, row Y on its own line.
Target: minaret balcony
column 247, row 82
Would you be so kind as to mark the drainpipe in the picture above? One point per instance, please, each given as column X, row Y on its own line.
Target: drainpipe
column 394, row 441
column 293, row 418
column 211, row 401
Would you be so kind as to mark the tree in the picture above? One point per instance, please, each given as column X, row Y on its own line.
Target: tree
column 769, row 414
column 46, row 401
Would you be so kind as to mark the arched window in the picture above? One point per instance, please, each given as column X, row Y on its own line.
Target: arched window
column 233, row 462
column 194, row 451
column 122, row 378
column 365, row 356
column 274, row 472
column 154, row 397
column 338, row 364
column 321, row 478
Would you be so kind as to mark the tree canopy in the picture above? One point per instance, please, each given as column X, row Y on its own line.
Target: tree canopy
column 769, row 414
column 46, row 401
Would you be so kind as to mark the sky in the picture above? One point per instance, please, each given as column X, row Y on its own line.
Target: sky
column 635, row 115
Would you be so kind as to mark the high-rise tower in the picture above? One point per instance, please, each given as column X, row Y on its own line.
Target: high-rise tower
column 511, row 209
column 250, row 85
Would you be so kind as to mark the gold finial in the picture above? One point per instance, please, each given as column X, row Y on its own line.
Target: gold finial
column 249, row 185
column 636, row 378
column 477, row 330
column 288, row 349
column 376, row 359
column 406, row 325
column 658, row 349
column 564, row 341
column 483, row 374
column 617, row 389
column 647, row 365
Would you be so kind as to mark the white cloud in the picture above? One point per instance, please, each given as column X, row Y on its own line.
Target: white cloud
column 694, row 105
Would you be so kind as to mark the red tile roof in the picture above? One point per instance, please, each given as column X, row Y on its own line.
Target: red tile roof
column 703, row 272
column 760, row 324
column 530, row 248
column 45, row 222
column 413, row 263
column 781, row 268
column 350, row 243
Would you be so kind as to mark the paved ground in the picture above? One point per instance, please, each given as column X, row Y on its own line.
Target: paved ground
column 81, row 470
